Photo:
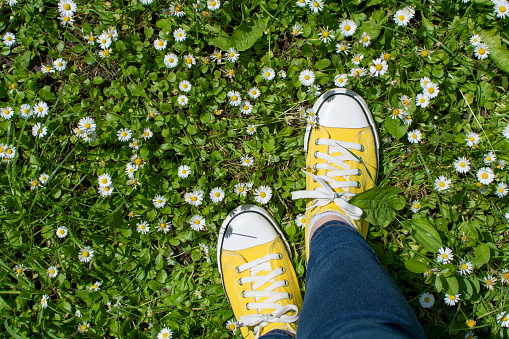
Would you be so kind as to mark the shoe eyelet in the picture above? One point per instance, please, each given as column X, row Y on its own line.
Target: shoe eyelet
column 290, row 296
column 237, row 269
column 358, row 184
column 286, row 283
column 247, row 306
column 316, row 154
column 316, row 141
column 280, row 256
column 362, row 148
column 243, row 296
column 283, row 270
column 314, row 167
column 359, row 172
column 240, row 282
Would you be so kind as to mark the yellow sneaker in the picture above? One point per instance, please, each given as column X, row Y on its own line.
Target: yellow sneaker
column 257, row 273
column 342, row 157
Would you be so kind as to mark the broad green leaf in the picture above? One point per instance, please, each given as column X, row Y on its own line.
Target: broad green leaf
column 451, row 285
column 137, row 90
column 424, row 233
column 416, row 266
column 482, row 254
column 498, row 53
column 245, row 35
column 321, row 64
column 380, row 204
column 396, row 127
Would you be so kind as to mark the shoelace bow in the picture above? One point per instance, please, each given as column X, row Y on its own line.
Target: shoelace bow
column 272, row 297
column 326, row 193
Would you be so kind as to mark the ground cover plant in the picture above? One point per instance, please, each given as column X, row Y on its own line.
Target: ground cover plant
column 129, row 129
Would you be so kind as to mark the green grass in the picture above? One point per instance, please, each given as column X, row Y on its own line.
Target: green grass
column 150, row 281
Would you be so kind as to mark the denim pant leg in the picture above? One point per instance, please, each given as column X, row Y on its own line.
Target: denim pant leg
column 276, row 334
column 349, row 294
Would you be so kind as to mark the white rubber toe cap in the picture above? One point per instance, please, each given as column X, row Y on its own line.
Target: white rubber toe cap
column 246, row 229
column 341, row 108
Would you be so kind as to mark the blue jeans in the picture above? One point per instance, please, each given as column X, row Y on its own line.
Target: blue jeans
column 348, row 292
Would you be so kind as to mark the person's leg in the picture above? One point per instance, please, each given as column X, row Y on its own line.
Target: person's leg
column 348, row 292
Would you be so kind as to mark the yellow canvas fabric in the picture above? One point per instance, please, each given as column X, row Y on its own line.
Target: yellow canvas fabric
column 368, row 167
column 231, row 259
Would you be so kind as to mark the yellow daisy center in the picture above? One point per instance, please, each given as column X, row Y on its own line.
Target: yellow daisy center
column 395, row 112
column 67, row 7
column 481, row 51
column 213, row 3
column 83, row 327
column 267, row 74
column 177, row 8
column 470, row 322
column 414, row 136
column 61, row 231
column 416, row 206
column 426, row 299
column 67, row 19
column 194, row 198
column 484, row 176
column 263, row 194
column 138, row 161
column 347, row 28
column 502, row 9
column 189, row 60
column 431, row 90
column 464, row 266
column 378, row 67
column 365, row 39
column 307, row 77
column 325, row 34
column 171, row 60
column 85, row 254
column 452, row 297
column 52, row 271
column 160, row 43
column 218, row 56
column 19, row 270
column 197, row 222
column 106, row 52
column 9, row 38
column 401, row 17
column 422, row 100
column 234, row 97
column 424, row 53
column 505, row 276
column 444, row 255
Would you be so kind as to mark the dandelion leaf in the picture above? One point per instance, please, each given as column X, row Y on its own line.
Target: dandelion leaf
column 416, row 266
column 246, row 35
column 424, row 233
column 380, row 204
column 395, row 127
column 482, row 255
column 498, row 53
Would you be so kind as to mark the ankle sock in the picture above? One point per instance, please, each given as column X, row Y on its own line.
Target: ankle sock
column 324, row 214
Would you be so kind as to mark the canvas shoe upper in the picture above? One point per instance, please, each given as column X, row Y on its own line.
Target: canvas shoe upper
column 342, row 157
column 257, row 272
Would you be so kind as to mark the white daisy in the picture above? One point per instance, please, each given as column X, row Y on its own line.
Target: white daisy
column 472, row 139
column 357, row 58
column 66, row 20
column 185, row 86
column 197, row 222
column 341, row 80
column 245, row 107
column 213, row 4
column 326, row 35
column 9, row 39
column 217, row 56
column 442, row 183
column 60, row 64
column 300, row 220
column 501, row 190
column 217, row 194
column 378, row 67
column 481, row 51
column 365, row 39
column 347, row 27
column 43, row 178
column 342, row 47
column 315, row 5
column 6, row 112
column 52, row 271
column 475, row 40
column 232, row 55
column 124, row 134
column 83, row 327
column 147, row 133
column 416, row 206
column 130, row 169
column 41, row 109
column 160, row 44
column 67, row 6
column 104, row 41
column 251, row 129
column 39, row 130
column 465, row 267
column 401, row 17
column 105, row 191
column 159, row 201
column 462, row 165
column 61, row 232
column 301, row 3
column 282, row 74
column 503, row 318
column 247, row 161
column 25, row 111
column 268, row 73
column 96, row 286
column 87, row 124
column 179, row 35
column 104, row 180
column 262, row 194
column 182, row 100
column 452, row 299
column 44, row 301
column 189, row 60
column 163, row 226
column 415, row 136
column 431, row 90
column 235, row 98
column 254, row 93
column 307, row 77
column 241, row 189
column 183, row 171
column 422, row 100
column 171, row 60
column 167, row 333
column 134, row 144
column 426, row 300
column 297, row 29
column 105, row 53
column 490, row 158
column 490, row 282
column 86, row 254
column 445, row 255
column 142, row 227
column 194, row 198
column 501, row 8
column 485, row 175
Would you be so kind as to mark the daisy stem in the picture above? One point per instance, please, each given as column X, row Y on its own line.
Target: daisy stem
column 421, row 158
column 476, row 120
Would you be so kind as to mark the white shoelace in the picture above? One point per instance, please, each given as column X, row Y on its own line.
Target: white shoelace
column 326, row 193
column 272, row 297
